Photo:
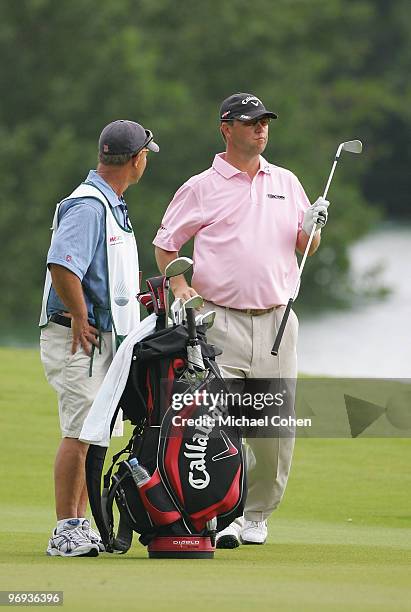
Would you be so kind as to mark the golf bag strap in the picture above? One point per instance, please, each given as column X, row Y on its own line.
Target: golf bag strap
column 126, row 449
column 94, row 468
column 121, row 542
column 124, row 537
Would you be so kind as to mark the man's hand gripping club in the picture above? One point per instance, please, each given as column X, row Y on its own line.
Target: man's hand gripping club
column 317, row 214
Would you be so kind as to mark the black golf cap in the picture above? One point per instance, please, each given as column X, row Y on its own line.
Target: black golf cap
column 123, row 137
column 244, row 107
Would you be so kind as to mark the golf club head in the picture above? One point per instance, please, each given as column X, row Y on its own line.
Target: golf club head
column 194, row 302
column 352, row 146
column 178, row 266
column 176, row 311
column 206, row 319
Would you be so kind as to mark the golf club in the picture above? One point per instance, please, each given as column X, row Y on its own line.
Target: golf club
column 176, row 311
column 178, row 266
column 206, row 319
column 195, row 363
column 196, row 301
column 351, row 146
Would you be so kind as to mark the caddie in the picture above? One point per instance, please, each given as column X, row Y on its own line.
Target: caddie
column 89, row 306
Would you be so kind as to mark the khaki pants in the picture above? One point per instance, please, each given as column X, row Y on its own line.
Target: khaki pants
column 246, row 342
column 69, row 375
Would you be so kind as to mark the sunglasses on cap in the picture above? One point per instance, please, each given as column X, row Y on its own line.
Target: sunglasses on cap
column 149, row 138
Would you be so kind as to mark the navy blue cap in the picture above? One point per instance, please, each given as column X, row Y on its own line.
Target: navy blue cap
column 123, row 137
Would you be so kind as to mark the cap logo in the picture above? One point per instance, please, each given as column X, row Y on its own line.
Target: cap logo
column 225, row 114
column 245, row 117
column 105, row 148
column 251, row 99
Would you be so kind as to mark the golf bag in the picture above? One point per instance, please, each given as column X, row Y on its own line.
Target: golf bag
column 195, row 484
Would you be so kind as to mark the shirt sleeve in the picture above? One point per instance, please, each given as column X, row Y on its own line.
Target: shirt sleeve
column 182, row 220
column 301, row 201
column 75, row 240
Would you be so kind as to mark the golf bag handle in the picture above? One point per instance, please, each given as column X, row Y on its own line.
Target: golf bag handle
column 280, row 333
column 191, row 324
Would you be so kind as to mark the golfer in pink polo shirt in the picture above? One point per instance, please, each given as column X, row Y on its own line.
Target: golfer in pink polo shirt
column 248, row 217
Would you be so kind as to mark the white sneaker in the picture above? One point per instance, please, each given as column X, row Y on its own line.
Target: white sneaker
column 230, row 536
column 71, row 541
column 93, row 535
column 254, row 532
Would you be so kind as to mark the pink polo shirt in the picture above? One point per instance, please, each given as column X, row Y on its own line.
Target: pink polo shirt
column 245, row 233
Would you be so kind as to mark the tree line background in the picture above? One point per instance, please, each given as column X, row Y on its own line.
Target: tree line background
column 333, row 70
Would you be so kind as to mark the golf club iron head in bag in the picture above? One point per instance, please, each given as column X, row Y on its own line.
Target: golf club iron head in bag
column 195, row 302
column 206, row 319
column 351, row 146
column 177, row 266
column 195, row 365
column 176, row 311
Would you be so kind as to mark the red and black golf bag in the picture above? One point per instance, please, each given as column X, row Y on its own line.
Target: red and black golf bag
column 196, row 484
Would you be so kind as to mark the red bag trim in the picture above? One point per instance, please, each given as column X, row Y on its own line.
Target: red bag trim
column 172, row 451
column 157, row 516
column 227, row 503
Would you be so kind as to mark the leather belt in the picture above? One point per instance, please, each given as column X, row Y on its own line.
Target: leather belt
column 254, row 312
column 60, row 319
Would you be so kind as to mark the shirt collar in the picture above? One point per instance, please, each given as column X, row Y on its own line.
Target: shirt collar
column 228, row 171
column 108, row 191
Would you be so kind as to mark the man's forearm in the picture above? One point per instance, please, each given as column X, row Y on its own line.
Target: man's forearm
column 302, row 241
column 163, row 258
column 68, row 287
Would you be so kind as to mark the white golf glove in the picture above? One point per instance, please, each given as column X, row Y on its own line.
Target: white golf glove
column 317, row 214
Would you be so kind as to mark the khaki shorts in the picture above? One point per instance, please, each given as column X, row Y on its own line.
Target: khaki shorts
column 69, row 374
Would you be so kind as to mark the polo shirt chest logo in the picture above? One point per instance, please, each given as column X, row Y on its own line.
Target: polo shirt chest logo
column 275, row 196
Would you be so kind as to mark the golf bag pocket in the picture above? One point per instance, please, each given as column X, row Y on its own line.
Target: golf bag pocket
column 157, row 502
column 129, row 503
column 143, row 507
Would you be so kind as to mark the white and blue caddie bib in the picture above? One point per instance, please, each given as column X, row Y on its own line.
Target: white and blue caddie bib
column 122, row 268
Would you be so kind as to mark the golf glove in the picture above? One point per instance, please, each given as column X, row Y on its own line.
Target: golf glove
column 317, row 214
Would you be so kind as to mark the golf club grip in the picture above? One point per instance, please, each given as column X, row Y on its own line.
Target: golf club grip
column 191, row 323
column 280, row 333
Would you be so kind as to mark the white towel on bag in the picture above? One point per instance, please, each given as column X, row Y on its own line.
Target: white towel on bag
column 96, row 427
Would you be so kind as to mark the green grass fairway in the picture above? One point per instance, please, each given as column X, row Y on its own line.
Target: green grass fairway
column 340, row 541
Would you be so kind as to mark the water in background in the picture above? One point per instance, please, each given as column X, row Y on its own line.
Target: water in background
column 372, row 340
